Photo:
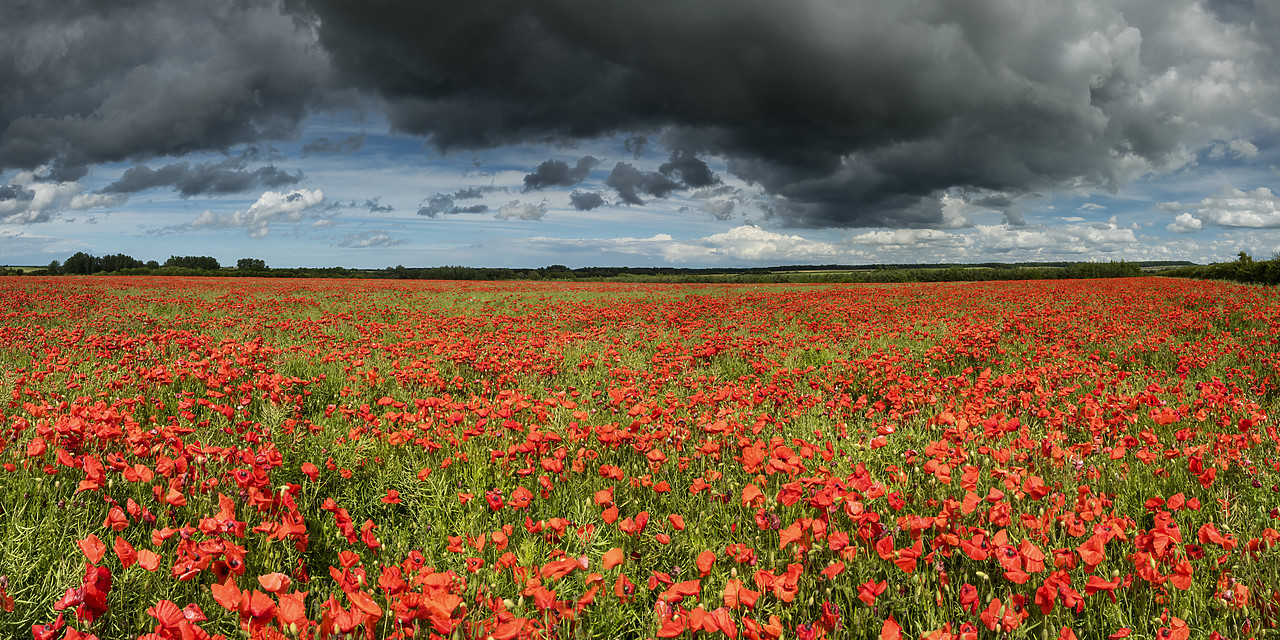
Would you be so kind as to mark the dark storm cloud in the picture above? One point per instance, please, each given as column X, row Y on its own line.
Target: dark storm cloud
column 692, row 171
column 557, row 173
column 631, row 183
column 87, row 82
column 206, row 178
column 585, row 200
column 844, row 113
column 635, row 145
column 847, row 114
column 349, row 144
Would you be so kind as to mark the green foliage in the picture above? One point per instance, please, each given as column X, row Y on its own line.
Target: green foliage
column 199, row 263
column 85, row 264
column 1245, row 269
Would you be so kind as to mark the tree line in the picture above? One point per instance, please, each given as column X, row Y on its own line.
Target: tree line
column 119, row 264
column 1243, row 269
column 84, row 264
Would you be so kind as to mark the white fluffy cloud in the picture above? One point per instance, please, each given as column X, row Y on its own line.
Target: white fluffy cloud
column 1231, row 207
column 29, row 199
column 910, row 238
column 1185, row 223
column 746, row 243
column 272, row 207
column 751, row 244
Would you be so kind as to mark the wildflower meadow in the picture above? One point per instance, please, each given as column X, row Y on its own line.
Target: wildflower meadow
column 192, row 458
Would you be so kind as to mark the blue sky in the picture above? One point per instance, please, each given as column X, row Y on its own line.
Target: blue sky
column 1137, row 130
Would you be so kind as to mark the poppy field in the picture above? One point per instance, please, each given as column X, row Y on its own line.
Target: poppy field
column 201, row 458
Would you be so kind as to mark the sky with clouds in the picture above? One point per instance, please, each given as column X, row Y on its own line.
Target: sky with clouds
column 524, row 133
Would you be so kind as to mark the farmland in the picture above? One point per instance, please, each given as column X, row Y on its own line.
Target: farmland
column 189, row 457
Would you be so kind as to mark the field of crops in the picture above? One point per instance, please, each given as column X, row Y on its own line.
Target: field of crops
column 195, row 458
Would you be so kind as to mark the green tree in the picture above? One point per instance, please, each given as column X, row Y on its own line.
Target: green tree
column 81, row 264
column 202, row 263
column 251, row 264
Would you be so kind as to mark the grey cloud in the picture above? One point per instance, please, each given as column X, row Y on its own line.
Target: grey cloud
column 719, row 209
column 586, row 200
column 349, row 144
column 16, row 192
column 89, row 82
column 374, row 205
column 693, row 172
column 631, row 183
column 443, row 204
column 473, row 193
column 557, row 173
column 205, row 178
column 635, row 145
column 846, row 114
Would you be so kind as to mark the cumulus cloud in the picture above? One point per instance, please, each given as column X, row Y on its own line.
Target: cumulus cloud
column 1185, row 223
column 1231, row 207
column 30, row 199
column 1238, row 148
column 899, row 238
column 631, row 183
column 753, row 244
column 558, row 173
column 516, row 210
column 272, row 208
column 691, row 170
column 1070, row 241
column 585, row 200
column 756, row 245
